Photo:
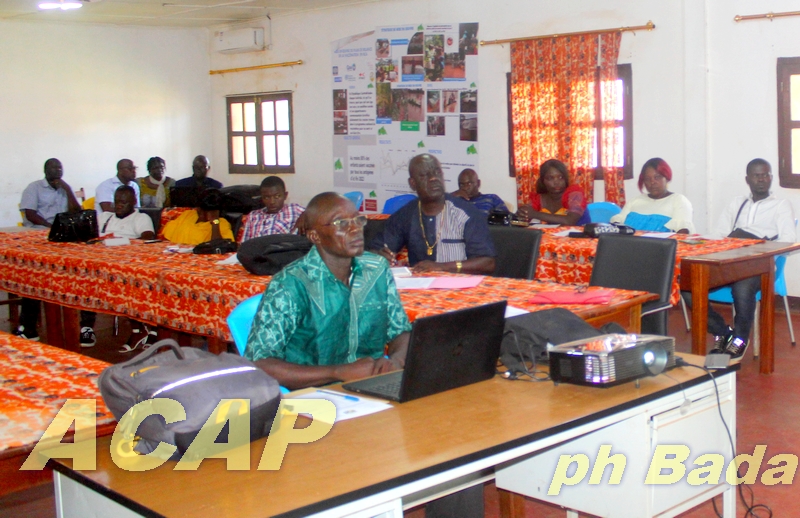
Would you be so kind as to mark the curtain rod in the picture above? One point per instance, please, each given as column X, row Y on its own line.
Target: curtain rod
column 257, row 67
column 649, row 26
column 770, row 15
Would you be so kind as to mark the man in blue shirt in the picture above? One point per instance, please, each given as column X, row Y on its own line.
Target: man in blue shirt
column 441, row 232
column 469, row 188
column 41, row 201
column 199, row 178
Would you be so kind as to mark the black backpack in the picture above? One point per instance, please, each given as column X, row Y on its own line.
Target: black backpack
column 267, row 255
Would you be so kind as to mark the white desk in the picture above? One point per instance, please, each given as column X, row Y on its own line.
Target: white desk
column 399, row 458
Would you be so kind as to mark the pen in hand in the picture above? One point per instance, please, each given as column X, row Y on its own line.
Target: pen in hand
column 392, row 256
column 339, row 394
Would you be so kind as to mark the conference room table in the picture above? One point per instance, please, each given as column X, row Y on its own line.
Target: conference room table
column 700, row 265
column 194, row 293
column 379, row 464
column 704, row 272
column 569, row 260
column 35, row 381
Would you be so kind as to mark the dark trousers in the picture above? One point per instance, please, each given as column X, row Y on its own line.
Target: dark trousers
column 744, row 302
column 29, row 313
column 467, row 503
column 31, row 308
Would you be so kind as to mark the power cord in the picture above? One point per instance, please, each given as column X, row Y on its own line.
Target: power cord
column 531, row 372
column 751, row 507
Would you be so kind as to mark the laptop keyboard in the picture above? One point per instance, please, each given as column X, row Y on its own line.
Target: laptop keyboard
column 386, row 386
column 389, row 389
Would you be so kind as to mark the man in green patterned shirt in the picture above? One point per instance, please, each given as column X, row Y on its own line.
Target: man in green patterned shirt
column 328, row 316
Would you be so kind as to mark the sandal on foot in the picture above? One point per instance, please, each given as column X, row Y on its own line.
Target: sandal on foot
column 127, row 348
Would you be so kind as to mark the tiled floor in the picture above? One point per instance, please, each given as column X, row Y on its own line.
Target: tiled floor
column 768, row 413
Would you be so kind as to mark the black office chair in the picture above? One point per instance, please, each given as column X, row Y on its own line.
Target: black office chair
column 517, row 251
column 373, row 228
column 638, row 263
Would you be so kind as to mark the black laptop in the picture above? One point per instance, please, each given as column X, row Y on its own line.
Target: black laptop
column 445, row 351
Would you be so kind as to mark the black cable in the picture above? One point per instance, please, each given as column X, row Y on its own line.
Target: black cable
column 531, row 371
column 750, row 507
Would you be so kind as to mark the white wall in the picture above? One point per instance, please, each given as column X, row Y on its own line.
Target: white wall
column 655, row 55
column 743, row 97
column 91, row 95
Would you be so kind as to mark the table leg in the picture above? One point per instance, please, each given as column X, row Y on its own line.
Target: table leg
column 700, row 275
column 52, row 318
column 217, row 346
column 72, row 329
column 63, row 328
column 767, row 331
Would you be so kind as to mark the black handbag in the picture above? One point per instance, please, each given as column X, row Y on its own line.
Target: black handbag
column 215, row 246
column 598, row 229
column 500, row 217
column 267, row 255
column 74, row 227
column 196, row 379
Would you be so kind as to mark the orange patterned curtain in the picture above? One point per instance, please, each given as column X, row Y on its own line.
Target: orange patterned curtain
column 611, row 136
column 553, row 107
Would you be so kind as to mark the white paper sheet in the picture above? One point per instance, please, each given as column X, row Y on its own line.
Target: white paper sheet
column 661, row 235
column 401, row 271
column 347, row 405
column 231, row 259
column 512, row 311
column 414, row 283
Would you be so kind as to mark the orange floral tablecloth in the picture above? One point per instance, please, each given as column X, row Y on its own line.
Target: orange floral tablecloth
column 518, row 292
column 569, row 260
column 35, row 381
column 185, row 292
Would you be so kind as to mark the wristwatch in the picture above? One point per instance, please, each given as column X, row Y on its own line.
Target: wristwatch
column 215, row 222
column 458, row 266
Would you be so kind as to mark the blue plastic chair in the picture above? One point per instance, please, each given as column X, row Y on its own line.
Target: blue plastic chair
column 357, row 197
column 601, row 211
column 723, row 295
column 241, row 320
column 394, row 204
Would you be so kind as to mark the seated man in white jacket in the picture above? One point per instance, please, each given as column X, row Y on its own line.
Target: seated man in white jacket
column 761, row 215
column 125, row 220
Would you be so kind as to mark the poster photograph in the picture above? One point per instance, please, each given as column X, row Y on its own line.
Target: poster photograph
column 399, row 91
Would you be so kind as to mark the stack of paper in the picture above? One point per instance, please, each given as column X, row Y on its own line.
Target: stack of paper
column 442, row 283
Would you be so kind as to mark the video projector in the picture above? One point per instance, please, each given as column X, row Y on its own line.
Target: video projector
column 608, row 360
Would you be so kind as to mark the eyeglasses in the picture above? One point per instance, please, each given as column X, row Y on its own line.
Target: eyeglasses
column 344, row 224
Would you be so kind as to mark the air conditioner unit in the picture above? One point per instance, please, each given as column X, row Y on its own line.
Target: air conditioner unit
column 234, row 41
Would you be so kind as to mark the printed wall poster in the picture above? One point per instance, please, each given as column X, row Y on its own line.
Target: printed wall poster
column 397, row 92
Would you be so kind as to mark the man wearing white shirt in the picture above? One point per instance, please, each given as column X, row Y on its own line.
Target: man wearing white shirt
column 762, row 216
column 125, row 220
column 104, row 194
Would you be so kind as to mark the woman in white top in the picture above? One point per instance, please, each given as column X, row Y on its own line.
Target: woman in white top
column 659, row 210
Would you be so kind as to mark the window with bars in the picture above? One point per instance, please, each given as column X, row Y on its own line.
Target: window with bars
column 789, row 122
column 260, row 134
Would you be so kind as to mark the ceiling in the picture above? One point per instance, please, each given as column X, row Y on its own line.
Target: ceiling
column 166, row 13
